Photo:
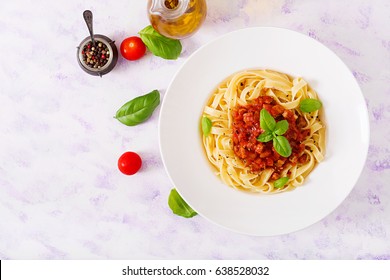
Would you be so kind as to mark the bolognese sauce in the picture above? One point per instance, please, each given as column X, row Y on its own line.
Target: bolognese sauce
column 259, row 156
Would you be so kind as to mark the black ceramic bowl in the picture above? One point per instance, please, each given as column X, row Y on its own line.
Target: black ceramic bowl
column 112, row 59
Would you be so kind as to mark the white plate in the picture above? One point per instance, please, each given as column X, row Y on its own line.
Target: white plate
column 346, row 120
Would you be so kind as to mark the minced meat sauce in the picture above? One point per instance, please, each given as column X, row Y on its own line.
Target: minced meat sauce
column 257, row 155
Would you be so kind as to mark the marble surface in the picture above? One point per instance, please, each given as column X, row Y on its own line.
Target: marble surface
column 61, row 195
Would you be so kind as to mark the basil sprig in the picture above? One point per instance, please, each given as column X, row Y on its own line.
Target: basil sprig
column 309, row 105
column 280, row 182
column 273, row 131
column 179, row 206
column 206, row 126
column 160, row 45
column 138, row 109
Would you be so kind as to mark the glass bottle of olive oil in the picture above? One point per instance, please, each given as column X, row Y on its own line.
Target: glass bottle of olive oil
column 177, row 18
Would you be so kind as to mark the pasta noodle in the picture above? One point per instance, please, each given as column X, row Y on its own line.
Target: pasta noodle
column 245, row 88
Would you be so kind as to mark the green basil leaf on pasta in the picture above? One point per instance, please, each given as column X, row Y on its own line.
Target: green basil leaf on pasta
column 160, row 45
column 265, row 137
column 281, row 182
column 138, row 109
column 309, row 105
column 282, row 146
column 206, row 126
column 179, row 206
column 281, row 127
column 267, row 122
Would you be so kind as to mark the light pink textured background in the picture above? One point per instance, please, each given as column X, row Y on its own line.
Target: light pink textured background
column 61, row 195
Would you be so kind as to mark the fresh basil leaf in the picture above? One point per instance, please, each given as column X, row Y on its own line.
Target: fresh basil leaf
column 160, row 45
column 179, row 206
column 138, row 109
column 282, row 146
column 267, row 122
column 265, row 137
column 281, row 127
column 280, row 182
column 309, row 105
column 206, row 126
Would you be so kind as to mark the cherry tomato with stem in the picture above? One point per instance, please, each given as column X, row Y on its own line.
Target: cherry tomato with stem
column 129, row 163
column 132, row 48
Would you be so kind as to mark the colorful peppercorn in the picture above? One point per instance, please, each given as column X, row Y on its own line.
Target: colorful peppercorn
column 95, row 55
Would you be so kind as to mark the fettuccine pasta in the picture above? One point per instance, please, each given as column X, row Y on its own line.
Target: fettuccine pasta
column 246, row 164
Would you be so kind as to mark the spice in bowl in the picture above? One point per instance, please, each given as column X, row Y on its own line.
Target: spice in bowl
column 99, row 58
column 95, row 55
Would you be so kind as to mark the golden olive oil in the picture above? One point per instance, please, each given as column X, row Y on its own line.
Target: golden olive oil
column 177, row 18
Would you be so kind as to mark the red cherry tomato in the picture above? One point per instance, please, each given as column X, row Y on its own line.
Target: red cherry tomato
column 129, row 163
column 133, row 48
